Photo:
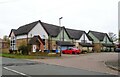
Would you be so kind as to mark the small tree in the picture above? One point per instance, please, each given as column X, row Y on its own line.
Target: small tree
column 6, row 38
column 23, row 49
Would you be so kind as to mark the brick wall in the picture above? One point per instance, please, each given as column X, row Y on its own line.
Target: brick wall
column 41, row 45
column 97, row 47
column 46, row 44
column 52, row 45
column 5, row 45
column 20, row 42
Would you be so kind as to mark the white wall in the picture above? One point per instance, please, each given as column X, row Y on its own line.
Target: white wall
column 17, row 37
column 21, row 36
column 108, row 41
column 12, row 34
column 38, row 30
column 82, row 38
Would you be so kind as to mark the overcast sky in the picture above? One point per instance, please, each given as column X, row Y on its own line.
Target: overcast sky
column 96, row 15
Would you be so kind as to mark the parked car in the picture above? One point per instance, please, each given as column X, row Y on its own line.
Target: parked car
column 71, row 51
column 117, row 50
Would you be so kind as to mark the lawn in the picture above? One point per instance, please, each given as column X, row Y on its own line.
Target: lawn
column 33, row 56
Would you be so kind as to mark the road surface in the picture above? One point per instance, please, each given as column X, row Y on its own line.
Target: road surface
column 29, row 68
column 90, row 61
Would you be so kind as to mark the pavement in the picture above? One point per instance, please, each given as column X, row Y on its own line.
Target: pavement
column 94, row 62
column 28, row 68
column 115, row 65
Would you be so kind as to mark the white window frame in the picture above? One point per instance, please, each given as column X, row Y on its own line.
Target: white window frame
column 13, row 43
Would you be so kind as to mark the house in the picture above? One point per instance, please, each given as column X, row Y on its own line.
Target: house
column 57, row 37
column 35, row 34
column 3, row 44
column 41, row 36
column 80, row 39
column 64, row 40
column 101, row 41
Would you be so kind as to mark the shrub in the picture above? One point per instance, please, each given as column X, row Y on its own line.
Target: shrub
column 23, row 49
column 10, row 51
column 84, row 51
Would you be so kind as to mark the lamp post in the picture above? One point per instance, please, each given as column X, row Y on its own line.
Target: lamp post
column 60, row 33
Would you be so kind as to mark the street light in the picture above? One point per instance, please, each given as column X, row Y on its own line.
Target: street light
column 60, row 33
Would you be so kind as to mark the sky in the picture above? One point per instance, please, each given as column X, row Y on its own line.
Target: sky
column 95, row 15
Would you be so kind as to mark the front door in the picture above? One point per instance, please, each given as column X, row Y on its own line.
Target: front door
column 34, row 48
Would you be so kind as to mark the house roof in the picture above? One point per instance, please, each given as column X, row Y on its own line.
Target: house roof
column 26, row 28
column 86, row 44
column 51, row 29
column 13, row 30
column 35, row 40
column 108, row 45
column 89, row 37
column 109, row 38
column 74, row 34
column 100, row 35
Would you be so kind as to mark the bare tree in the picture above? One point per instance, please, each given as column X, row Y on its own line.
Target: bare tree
column 5, row 37
column 112, row 36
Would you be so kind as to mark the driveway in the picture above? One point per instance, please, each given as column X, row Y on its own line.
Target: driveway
column 90, row 61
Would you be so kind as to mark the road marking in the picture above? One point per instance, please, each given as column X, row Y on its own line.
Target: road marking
column 15, row 71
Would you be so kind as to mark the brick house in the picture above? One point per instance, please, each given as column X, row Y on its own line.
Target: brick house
column 80, row 39
column 101, row 41
column 3, row 44
column 27, row 34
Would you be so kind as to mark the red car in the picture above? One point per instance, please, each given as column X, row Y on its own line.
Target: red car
column 71, row 51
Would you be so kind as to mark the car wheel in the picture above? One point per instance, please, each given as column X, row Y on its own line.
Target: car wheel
column 78, row 53
column 63, row 52
column 73, row 52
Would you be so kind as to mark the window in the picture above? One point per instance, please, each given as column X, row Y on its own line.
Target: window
column 83, row 41
column 43, row 41
column 13, row 43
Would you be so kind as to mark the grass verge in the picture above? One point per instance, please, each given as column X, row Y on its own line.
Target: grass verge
column 19, row 56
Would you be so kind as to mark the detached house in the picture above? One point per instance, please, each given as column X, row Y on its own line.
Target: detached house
column 29, row 32
column 80, row 39
column 101, row 41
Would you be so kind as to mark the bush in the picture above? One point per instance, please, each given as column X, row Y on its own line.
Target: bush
column 23, row 49
column 84, row 51
column 10, row 51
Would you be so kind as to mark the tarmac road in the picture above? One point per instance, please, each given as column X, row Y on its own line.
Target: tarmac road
column 28, row 68
column 90, row 61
